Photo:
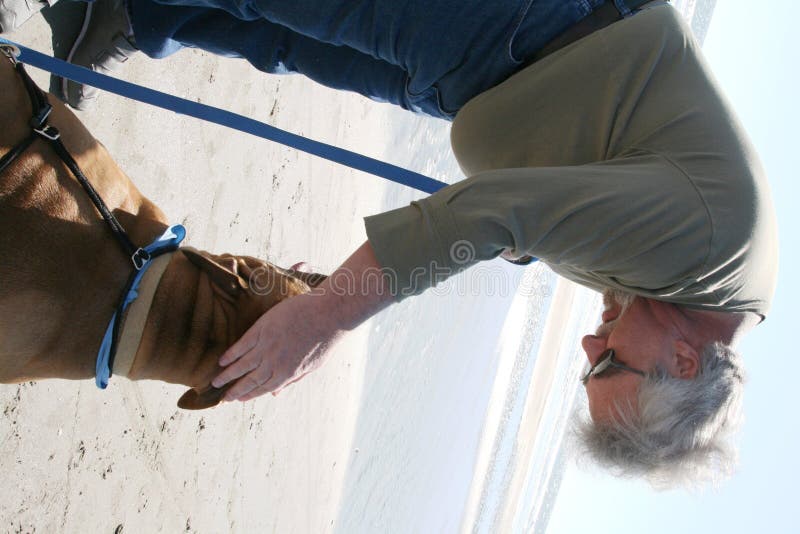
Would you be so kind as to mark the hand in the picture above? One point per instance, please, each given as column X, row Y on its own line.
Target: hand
column 295, row 337
column 285, row 344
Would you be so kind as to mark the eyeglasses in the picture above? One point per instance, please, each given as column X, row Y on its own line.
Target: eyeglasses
column 607, row 362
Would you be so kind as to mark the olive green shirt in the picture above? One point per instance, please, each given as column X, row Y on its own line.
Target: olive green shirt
column 618, row 162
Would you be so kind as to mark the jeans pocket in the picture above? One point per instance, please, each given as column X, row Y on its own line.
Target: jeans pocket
column 541, row 21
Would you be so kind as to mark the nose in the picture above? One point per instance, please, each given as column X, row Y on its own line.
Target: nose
column 593, row 346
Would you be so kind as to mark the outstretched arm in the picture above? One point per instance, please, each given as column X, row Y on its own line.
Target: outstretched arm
column 296, row 336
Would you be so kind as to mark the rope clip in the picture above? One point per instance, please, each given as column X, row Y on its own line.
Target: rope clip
column 11, row 52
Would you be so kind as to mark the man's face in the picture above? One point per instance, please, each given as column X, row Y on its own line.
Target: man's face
column 639, row 330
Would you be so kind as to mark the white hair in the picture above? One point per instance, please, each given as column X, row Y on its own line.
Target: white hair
column 678, row 431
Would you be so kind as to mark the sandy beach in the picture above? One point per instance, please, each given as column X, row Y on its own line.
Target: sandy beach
column 365, row 444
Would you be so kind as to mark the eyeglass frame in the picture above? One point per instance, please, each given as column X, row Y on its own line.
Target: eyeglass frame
column 606, row 362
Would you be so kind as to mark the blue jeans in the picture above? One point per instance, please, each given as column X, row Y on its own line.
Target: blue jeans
column 425, row 56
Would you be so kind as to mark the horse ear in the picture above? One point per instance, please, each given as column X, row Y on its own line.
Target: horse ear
column 199, row 400
column 221, row 270
column 311, row 279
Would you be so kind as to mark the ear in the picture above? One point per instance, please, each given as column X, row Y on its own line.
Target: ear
column 311, row 279
column 222, row 271
column 686, row 361
column 199, row 400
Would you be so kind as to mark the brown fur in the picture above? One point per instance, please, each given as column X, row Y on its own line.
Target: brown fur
column 62, row 272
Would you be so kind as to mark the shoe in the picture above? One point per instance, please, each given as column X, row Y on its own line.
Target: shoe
column 104, row 44
column 14, row 13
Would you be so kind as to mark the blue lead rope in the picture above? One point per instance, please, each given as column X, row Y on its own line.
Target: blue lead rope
column 168, row 242
column 228, row 119
column 174, row 235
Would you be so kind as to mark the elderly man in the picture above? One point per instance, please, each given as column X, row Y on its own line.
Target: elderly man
column 593, row 137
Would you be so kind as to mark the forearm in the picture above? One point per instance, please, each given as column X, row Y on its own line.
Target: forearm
column 355, row 291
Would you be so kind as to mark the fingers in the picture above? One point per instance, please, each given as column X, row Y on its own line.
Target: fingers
column 243, row 389
column 274, row 352
column 255, row 393
column 245, row 344
column 245, row 367
column 272, row 386
column 237, row 369
column 249, row 387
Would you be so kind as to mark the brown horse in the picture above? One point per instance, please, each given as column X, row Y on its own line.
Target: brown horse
column 62, row 272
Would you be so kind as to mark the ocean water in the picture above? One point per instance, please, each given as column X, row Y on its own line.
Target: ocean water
column 444, row 434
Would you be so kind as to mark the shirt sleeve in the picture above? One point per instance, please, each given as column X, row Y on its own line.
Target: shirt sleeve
column 636, row 223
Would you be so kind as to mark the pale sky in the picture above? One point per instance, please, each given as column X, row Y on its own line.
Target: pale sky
column 751, row 49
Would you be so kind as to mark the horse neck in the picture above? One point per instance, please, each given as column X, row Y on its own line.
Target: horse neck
column 63, row 270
